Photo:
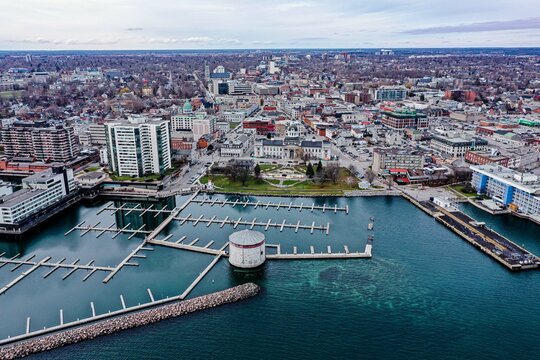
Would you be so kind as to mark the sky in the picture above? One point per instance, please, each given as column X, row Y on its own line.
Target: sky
column 238, row 24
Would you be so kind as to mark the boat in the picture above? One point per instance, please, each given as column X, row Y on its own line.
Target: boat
column 372, row 218
column 370, row 226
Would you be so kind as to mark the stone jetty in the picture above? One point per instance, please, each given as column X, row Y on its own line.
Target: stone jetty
column 116, row 324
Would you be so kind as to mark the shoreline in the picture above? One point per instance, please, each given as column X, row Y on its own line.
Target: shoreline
column 129, row 321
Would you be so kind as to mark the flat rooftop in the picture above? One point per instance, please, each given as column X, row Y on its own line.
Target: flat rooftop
column 18, row 197
column 527, row 182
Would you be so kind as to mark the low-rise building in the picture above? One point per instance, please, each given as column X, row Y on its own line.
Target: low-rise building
column 293, row 149
column 396, row 158
column 404, row 119
column 485, row 157
column 519, row 191
column 457, row 146
column 389, row 93
column 39, row 191
column 236, row 146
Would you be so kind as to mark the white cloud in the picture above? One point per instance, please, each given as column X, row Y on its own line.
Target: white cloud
column 135, row 24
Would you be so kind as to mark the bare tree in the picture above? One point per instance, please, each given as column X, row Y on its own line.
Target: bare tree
column 370, row 176
column 331, row 172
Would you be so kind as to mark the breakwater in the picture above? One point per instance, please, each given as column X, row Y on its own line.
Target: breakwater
column 110, row 326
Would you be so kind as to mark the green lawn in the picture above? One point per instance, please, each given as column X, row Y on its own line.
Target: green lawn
column 269, row 167
column 289, row 182
column 91, row 169
column 460, row 188
column 302, row 168
column 254, row 187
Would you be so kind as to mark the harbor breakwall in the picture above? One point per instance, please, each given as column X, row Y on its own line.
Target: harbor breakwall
column 113, row 325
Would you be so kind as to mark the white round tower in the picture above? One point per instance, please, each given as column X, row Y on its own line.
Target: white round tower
column 246, row 249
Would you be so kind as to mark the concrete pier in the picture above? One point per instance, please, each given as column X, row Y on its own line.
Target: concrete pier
column 204, row 250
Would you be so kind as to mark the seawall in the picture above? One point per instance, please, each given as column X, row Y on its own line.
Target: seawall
column 113, row 325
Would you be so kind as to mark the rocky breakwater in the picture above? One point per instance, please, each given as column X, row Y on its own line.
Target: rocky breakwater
column 110, row 326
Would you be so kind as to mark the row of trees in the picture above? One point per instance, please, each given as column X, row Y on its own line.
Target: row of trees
column 321, row 174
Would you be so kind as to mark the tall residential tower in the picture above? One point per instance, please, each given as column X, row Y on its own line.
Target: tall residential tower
column 139, row 146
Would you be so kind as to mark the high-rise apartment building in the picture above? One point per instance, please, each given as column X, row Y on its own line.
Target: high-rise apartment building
column 139, row 146
column 40, row 140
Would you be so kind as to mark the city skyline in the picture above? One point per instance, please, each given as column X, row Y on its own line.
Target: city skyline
column 100, row 25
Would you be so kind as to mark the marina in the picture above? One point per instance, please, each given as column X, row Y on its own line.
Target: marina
column 179, row 239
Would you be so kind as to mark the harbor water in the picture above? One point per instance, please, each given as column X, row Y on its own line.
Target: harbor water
column 426, row 293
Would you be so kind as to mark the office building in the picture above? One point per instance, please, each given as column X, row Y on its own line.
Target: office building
column 236, row 146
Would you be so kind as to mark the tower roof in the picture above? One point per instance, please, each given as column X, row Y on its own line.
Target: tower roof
column 187, row 107
column 246, row 237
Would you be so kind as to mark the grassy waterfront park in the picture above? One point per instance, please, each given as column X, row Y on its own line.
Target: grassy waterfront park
column 254, row 185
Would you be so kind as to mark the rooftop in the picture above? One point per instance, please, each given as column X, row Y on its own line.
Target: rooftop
column 246, row 237
column 527, row 182
column 18, row 197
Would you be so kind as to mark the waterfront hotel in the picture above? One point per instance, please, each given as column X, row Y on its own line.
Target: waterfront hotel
column 519, row 191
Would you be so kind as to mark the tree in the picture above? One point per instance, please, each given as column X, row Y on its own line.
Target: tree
column 231, row 173
column 319, row 173
column 319, row 169
column 370, row 176
column 257, row 171
column 331, row 172
column 243, row 174
column 309, row 171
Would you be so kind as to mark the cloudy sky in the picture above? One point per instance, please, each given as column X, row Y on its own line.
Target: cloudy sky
column 209, row 24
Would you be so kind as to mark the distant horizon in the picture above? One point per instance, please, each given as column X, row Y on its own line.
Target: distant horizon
column 248, row 24
column 278, row 49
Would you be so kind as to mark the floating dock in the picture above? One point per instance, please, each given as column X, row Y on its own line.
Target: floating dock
column 74, row 266
column 266, row 205
column 252, row 223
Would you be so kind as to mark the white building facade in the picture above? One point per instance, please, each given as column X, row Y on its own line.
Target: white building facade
column 138, row 147
column 39, row 191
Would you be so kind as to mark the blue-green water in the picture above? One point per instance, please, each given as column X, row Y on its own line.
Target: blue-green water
column 425, row 294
